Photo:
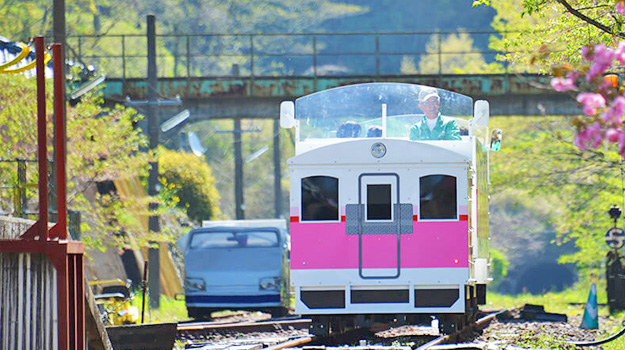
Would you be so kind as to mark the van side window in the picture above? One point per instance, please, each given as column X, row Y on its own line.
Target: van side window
column 320, row 198
column 438, row 198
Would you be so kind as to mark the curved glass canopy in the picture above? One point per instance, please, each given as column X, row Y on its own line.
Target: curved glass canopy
column 356, row 111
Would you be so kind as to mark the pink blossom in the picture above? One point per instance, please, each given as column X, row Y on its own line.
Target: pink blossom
column 617, row 109
column 615, row 113
column 602, row 60
column 564, row 84
column 620, row 7
column 602, row 104
column 594, row 134
column 586, row 53
column 579, row 142
column 591, row 102
column 619, row 53
column 582, row 138
column 621, row 145
column 612, row 135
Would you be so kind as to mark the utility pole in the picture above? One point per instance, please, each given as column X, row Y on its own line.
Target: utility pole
column 152, row 108
column 238, row 171
column 238, row 166
column 277, row 173
column 58, row 14
column 154, row 280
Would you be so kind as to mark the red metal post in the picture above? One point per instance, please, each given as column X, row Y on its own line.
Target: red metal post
column 63, row 303
column 66, row 256
column 40, row 228
column 79, row 278
column 42, row 155
column 60, row 229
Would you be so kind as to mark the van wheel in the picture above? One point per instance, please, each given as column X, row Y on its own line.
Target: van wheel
column 199, row 313
column 279, row 312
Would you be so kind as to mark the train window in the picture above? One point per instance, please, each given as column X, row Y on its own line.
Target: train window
column 379, row 202
column 438, row 198
column 320, row 198
column 246, row 239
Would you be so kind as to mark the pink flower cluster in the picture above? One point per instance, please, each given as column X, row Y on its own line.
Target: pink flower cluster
column 602, row 104
column 620, row 6
column 591, row 102
column 565, row 83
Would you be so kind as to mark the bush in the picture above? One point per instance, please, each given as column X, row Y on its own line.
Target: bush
column 498, row 266
column 189, row 181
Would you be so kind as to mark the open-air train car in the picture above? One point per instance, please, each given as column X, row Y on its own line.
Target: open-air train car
column 383, row 225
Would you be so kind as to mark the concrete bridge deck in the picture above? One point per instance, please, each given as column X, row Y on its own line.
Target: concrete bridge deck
column 259, row 97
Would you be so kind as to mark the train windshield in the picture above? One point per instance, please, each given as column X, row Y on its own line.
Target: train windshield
column 356, row 111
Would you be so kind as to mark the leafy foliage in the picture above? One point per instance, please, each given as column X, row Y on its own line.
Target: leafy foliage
column 102, row 145
column 538, row 34
column 454, row 57
column 191, row 181
column 573, row 188
column 23, row 19
column 498, row 266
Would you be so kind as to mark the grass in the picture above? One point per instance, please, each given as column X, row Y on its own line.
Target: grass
column 169, row 310
column 570, row 302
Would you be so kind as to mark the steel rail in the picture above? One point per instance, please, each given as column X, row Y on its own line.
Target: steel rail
column 290, row 343
column 479, row 324
column 244, row 326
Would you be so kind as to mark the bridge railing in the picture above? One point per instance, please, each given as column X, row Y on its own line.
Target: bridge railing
column 286, row 54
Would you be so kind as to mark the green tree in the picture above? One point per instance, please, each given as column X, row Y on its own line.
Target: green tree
column 573, row 188
column 581, row 184
column 457, row 56
column 102, row 145
column 190, row 180
column 27, row 18
column 498, row 267
column 541, row 34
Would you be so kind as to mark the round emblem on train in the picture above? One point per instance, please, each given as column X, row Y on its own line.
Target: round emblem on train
column 378, row 150
column 615, row 238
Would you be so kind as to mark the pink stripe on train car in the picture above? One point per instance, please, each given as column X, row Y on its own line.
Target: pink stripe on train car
column 327, row 246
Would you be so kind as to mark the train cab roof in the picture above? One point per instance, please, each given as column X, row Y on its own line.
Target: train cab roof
column 377, row 110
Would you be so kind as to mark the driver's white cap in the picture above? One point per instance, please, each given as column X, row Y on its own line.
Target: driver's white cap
column 427, row 92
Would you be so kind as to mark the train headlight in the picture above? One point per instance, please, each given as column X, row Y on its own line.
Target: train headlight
column 269, row 283
column 378, row 150
column 195, row 284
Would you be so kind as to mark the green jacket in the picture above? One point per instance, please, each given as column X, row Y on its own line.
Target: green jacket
column 445, row 129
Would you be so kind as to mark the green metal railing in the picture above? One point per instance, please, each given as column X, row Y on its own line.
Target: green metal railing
column 278, row 54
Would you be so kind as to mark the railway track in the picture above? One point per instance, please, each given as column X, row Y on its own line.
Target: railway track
column 292, row 333
column 247, row 333
column 477, row 326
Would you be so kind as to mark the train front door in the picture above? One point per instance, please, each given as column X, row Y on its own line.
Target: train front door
column 379, row 219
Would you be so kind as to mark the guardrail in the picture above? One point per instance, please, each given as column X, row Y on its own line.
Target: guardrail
column 281, row 54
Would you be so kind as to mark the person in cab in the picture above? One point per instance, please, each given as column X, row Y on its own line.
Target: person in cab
column 433, row 126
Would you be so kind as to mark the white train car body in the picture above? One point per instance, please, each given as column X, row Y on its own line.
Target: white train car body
column 384, row 224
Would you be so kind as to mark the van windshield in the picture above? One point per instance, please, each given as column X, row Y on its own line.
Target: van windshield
column 230, row 239
column 355, row 111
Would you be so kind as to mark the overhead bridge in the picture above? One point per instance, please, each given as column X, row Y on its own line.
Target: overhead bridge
column 260, row 97
column 219, row 75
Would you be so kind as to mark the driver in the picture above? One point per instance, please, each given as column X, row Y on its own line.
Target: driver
column 433, row 126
